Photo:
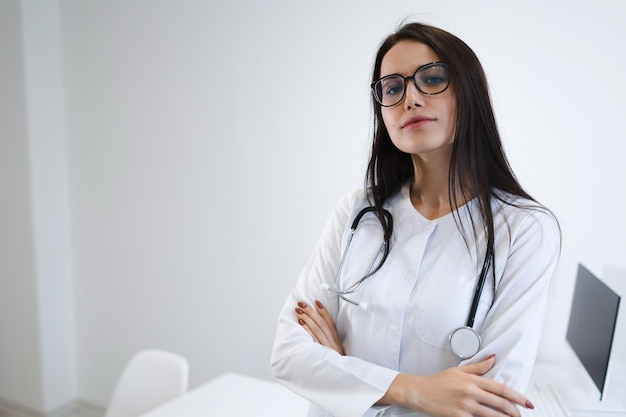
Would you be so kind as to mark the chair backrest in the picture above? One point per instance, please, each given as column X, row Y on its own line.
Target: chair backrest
column 151, row 378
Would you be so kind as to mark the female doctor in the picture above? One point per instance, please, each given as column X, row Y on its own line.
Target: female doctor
column 434, row 306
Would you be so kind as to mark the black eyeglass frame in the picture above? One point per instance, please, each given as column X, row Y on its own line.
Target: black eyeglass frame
column 410, row 77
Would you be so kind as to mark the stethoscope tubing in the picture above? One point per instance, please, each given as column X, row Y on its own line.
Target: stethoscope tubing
column 356, row 286
column 464, row 341
column 479, row 290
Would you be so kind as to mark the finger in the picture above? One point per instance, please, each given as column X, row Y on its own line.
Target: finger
column 500, row 390
column 324, row 313
column 304, row 313
column 311, row 331
column 480, row 368
column 481, row 410
column 330, row 328
column 313, row 316
column 323, row 324
column 501, row 394
column 497, row 405
column 501, row 397
column 308, row 330
column 479, row 403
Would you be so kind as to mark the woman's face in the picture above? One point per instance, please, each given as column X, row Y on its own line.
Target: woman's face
column 420, row 124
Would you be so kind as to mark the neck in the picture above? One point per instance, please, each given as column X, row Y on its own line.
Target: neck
column 429, row 187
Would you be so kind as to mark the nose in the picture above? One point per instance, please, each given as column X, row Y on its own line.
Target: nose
column 413, row 97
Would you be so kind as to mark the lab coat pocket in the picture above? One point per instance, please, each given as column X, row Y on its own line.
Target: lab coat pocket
column 443, row 305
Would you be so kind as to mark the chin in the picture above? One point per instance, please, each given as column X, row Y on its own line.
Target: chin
column 423, row 146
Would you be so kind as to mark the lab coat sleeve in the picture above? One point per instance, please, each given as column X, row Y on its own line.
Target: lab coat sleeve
column 342, row 385
column 512, row 328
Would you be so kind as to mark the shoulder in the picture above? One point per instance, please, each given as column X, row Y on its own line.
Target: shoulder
column 351, row 201
column 522, row 216
column 346, row 207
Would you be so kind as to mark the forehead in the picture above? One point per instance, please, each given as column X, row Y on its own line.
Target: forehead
column 405, row 57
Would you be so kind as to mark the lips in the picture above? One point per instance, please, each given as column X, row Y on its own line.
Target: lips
column 416, row 121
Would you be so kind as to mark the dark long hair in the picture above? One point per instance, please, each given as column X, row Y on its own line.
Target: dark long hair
column 478, row 165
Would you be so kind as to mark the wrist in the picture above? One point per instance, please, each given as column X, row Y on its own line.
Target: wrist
column 404, row 391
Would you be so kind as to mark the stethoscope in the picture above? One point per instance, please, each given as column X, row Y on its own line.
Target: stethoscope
column 464, row 341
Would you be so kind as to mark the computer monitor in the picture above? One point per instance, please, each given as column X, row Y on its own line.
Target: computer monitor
column 592, row 323
column 592, row 381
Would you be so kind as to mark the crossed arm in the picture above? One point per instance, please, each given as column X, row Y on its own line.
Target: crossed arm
column 455, row 392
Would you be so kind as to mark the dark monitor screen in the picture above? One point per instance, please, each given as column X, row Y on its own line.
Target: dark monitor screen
column 592, row 324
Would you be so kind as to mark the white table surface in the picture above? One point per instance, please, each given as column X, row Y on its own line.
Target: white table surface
column 576, row 389
column 234, row 395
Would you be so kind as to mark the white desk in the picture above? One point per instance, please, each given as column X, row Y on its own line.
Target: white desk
column 575, row 391
column 233, row 395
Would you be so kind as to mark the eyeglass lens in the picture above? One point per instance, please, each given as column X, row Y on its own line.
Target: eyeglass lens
column 429, row 79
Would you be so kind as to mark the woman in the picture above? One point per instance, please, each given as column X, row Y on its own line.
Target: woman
column 450, row 214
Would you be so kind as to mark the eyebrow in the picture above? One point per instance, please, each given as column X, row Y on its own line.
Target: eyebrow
column 411, row 72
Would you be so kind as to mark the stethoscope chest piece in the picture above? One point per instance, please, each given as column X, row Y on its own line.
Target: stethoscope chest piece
column 465, row 342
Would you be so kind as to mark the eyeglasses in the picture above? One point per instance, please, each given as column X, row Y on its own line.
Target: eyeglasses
column 430, row 79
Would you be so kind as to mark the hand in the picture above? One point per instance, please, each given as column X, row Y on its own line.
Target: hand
column 319, row 324
column 459, row 392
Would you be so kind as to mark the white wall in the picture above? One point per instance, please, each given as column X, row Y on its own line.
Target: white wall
column 207, row 143
column 37, row 351
column 19, row 337
column 50, row 206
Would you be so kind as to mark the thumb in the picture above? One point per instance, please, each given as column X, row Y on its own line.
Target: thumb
column 480, row 368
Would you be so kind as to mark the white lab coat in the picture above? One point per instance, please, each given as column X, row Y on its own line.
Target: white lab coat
column 423, row 291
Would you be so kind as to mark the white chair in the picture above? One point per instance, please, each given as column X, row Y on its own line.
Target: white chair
column 151, row 378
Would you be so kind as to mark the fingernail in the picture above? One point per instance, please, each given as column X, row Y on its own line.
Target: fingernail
column 530, row 405
column 318, row 304
column 492, row 356
column 301, row 304
column 299, row 311
column 301, row 322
